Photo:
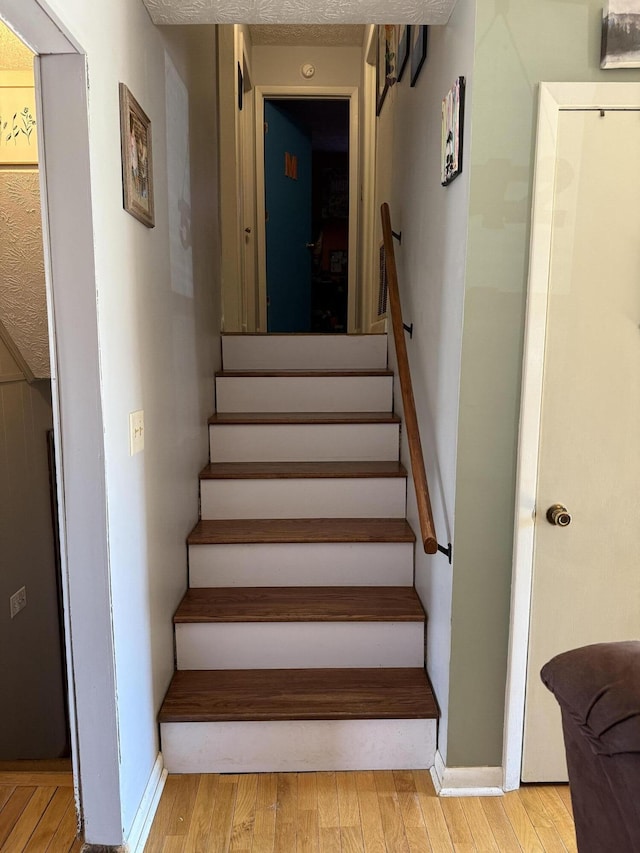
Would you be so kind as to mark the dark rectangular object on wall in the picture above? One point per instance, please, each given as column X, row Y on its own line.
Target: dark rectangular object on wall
column 383, row 283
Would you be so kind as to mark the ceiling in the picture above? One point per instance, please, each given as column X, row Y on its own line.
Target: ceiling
column 290, row 35
column 300, row 11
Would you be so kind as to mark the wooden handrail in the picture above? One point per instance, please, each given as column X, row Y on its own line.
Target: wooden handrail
column 425, row 515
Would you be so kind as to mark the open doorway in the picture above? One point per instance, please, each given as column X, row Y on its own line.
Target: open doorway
column 34, row 725
column 307, row 166
column 306, row 163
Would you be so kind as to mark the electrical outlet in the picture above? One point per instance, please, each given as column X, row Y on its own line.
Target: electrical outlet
column 136, row 432
column 18, row 601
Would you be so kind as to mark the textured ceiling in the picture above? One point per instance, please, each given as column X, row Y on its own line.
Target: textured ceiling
column 338, row 35
column 14, row 55
column 300, row 11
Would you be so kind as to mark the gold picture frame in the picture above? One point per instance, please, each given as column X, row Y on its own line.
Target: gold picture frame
column 137, row 162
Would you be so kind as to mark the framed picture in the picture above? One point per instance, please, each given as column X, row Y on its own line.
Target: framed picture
column 404, row 48
column 452, row 126
column 18, row 138
column 137, row 163
column 418, row 50
column 620, row 34
column 386, row 65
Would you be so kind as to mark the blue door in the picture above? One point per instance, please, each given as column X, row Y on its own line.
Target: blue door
column 287, row 163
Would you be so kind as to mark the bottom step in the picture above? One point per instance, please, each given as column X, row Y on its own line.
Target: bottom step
column 255, row 721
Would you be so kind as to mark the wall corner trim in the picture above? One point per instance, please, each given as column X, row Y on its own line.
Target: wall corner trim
column 143, row 820
column 466, row 781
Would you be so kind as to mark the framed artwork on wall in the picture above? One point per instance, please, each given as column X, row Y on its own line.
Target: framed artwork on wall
column 620, row 46
column 137, row 164
column 452, row 127
column 418, row 42
column 18, row 138
column 386, row 64
column 404, row 48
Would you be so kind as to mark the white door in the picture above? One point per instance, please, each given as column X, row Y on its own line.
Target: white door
column 586, row 577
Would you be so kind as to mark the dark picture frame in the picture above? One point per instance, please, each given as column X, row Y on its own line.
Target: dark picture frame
column 137, row 162
column 240, row 88
column 404, row 48
column 386, row 35
column 419, row 36
column 452, row 132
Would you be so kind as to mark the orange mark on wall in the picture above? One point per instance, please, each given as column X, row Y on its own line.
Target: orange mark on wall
column 290, row 166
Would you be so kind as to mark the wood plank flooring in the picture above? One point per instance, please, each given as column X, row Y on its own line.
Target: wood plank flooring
column 37, row 811
column 381, row 812
column 365, row 812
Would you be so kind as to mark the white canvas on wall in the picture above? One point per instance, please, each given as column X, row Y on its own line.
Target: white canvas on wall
column 178, row 180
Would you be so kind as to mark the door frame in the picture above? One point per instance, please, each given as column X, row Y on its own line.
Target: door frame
column 324, row 93
column 61, row 86
column 553, row 98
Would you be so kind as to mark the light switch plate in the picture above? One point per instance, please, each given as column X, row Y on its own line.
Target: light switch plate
column 136, row 432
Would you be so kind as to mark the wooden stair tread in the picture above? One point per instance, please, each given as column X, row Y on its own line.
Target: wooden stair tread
column 299, row 470
column 300, row 604
column 298, row 694
column 322, row 335
column 311, row 530
column 363, row 372
column 228, row 418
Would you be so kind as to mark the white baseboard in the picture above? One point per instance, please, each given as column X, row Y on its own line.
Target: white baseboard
column 146, row 812
column 466, row 781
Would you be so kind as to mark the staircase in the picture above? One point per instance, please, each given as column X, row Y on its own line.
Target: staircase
column 300, row 641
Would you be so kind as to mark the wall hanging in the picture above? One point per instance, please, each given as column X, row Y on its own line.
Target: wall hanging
column 137, row 164
column 418, row 50
column 620, row 34
column 452, row 122
column 386, row 64
column 404, row 48
column 18, row 138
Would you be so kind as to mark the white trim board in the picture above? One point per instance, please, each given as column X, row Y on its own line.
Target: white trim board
column 143, row 820
column 465, row 781
column 325, row 93
column 554, row 97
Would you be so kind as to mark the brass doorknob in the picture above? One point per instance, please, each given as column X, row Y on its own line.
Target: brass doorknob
column 559, row 515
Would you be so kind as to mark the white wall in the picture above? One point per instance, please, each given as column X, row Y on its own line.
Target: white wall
column 431, row 268
column 158, row 352
column 280, row 66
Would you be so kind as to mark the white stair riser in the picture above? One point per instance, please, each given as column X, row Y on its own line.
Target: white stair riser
column 300, row 564
column 304, row 394
column 358, row 497
column 304, row 442
column 298, row 645
column 291, row 746
column 304, row 352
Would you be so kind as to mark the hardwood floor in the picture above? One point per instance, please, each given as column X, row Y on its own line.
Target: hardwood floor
column 37, row 810
column 365, row 812
column 381, row 812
